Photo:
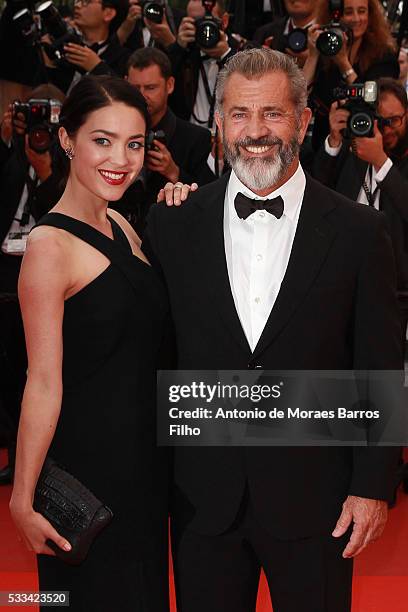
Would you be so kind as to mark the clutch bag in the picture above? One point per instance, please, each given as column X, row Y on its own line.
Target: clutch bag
column 72, row 510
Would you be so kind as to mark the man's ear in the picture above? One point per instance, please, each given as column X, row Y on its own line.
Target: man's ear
column 170, row 85
column 218, row 121
column 109, row 14
column 225, row 21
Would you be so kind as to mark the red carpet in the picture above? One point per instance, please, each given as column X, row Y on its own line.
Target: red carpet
column 381, row 575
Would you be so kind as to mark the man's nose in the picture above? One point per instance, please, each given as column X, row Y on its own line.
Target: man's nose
column 257, row 127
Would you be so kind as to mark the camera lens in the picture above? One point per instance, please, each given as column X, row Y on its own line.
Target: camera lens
column 207, row 34
column 361, row 124
column 153, row 11
column 297, row 40
column 53, row 21
column 39, row 139
column 330, row 42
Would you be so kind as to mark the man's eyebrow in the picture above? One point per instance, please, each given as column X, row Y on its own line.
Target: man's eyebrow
column 243, row 109
column 113, row 135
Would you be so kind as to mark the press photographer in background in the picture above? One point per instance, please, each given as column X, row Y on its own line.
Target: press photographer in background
column 201, row 49
column 289, row 33
column 373, row 170
column 99, row 51
column 403, row 63
column 149, row 24
column 353, row 43
column 28, row 192
column 176, row 150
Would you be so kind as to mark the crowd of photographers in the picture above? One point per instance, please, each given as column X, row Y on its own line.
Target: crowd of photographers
column 357, row 144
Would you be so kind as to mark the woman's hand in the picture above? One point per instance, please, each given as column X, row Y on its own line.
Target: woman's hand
column 175, row 193
column 341, row 59
column 35, row 530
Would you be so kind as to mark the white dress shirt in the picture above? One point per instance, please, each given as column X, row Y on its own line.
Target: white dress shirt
column 257, row 251
column 372, row 177
column 201, row 111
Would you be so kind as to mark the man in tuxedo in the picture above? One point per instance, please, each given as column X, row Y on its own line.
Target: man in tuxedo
column 196, row 69
column 305, row 281
column 300, row 14
column 374, row 171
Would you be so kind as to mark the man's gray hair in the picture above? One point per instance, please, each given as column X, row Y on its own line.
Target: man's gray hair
column 255, row 63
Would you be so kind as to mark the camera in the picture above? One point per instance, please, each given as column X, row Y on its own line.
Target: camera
column 296, row 40
column 361, row 103
column 42, row 118
column 151, row 135
column 153, row 11
column 330, row 41
column 208, row 28
column 47, row 19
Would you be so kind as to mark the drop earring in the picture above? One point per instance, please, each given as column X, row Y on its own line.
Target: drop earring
column 69, row 152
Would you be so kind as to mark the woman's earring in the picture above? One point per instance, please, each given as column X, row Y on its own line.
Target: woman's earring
column 69, row 152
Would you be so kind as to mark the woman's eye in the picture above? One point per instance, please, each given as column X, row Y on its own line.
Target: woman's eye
column 135, row 145
column 102, row 141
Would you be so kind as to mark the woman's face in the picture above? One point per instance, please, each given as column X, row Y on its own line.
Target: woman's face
column 108, row 151
column 356, row 16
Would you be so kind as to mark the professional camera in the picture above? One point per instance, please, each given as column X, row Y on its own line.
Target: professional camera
column 330, row 40
column 60, row 32
column 41, row 117
column 151, row 135
column 47, row 19
column 296, row 40
column 153, row 11
column 361, row 103
column 208, row 28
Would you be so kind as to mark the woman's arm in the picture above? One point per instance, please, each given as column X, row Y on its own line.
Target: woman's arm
column 42, row 287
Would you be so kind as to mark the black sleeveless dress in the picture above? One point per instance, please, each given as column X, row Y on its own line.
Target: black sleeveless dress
column 113, row 331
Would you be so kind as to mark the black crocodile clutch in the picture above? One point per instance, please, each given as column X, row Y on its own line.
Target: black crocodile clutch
column 72, row 510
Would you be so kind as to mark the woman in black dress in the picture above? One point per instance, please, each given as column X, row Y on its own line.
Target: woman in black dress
column 95, row 314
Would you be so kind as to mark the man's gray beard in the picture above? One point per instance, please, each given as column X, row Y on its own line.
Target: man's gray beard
column 261, row 173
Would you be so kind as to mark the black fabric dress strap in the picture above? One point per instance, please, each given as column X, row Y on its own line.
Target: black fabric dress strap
column 114, row 250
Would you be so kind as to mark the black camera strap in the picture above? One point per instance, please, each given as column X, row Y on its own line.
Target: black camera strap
column 210, row 96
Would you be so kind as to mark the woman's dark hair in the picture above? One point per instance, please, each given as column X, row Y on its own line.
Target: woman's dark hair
column 90, row 94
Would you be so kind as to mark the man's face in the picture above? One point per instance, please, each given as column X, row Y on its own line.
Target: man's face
column 89, row 14
column 260, row 129
column 390, row 107
column 300, row 9
column 403, row 64
column 153, row 86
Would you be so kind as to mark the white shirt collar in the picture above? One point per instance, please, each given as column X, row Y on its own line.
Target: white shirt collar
column 291, row 192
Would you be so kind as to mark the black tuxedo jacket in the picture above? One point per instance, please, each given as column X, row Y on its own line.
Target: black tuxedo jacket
column 336, row 309
column 345, row 173
column 276, row 29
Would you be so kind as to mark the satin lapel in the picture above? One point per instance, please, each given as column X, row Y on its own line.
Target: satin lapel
column 207, row 237
column 310, row 247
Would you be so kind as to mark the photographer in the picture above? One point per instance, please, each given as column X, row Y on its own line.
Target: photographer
column 102, row 52
column 176, row 150
column 366, row 52
column 374, row 170
column 196, row 63
column 28, row 192
column 301, row 15
column 138, row 31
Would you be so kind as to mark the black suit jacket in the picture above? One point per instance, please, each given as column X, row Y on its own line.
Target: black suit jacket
column 336, row 309
column 276, row 29
column 186, row 70
column 345, row 173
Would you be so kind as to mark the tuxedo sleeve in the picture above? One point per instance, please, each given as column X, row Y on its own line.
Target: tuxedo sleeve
column 377, row 346
column 150, row 243
column 395, row 186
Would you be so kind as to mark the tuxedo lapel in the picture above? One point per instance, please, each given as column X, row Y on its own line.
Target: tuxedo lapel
column 312, row 241
column 355, row 178
column 207, row 237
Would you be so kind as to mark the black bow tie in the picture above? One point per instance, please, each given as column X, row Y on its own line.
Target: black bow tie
column 246, row 206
